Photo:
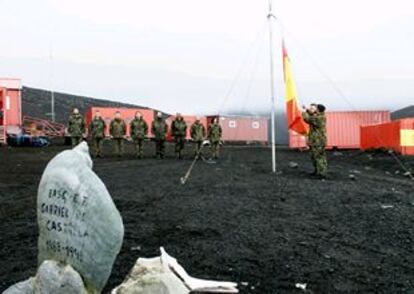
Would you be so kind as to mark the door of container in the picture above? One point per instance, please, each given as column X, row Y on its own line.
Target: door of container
column 2, row 101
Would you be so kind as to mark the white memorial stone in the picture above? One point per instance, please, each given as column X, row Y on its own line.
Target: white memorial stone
column 52, row 277
column 78, row 221
column 24, row 287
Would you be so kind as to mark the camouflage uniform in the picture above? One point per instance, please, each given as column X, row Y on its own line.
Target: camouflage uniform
column 198, row 132
column 97, row 127
column 159, row 129
column 214, row 135
column 317, row 141
column 76, row 128
column 118, row 130
column 179, row 132
column 139, row 131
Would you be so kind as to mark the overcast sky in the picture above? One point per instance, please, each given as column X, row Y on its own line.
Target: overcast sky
column 213, row 55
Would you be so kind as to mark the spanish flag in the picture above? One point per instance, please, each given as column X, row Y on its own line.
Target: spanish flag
column 294, row 115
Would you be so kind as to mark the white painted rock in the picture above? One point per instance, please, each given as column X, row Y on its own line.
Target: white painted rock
column 150, row 276
column 78, row 221
column 24, row 287
column 164, row 275
column 52, row 277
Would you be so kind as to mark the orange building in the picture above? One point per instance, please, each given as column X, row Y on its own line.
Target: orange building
column 10, row 108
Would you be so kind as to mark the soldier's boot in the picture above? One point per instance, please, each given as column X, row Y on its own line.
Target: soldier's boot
column 215, row 151
column 177, row 149
column 162, row 149
column 156, row 149
column 117, row 148
column 322, row 168
column 100, row 145
column 74, row 141
column 199, row 148
column 121, row 147
column 140, row 149
column 136, row 148
column 95, row 147
column 160, row 152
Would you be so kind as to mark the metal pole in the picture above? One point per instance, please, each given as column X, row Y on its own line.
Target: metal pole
column 272, row 88
column 52, row 93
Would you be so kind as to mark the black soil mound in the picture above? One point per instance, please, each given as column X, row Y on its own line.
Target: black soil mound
column 235, row 220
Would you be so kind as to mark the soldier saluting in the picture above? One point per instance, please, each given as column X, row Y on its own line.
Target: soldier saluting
column 179, row 132
column 118, row 132
column 315, row 117
column 197, row 132
column 97, row 129
column 214, row 136
column 139, row 131
column 159, row 129
column 76, row 127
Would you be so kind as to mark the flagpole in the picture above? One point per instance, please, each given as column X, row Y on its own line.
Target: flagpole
column 272, row 87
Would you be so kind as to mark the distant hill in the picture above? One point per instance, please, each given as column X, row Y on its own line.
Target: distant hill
column 403, row 113
column 36, row 103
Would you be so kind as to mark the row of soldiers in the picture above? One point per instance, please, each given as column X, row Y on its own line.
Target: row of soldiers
column 139, row 133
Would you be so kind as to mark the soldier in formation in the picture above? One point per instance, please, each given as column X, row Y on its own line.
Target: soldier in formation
column 315, row 117
column 97, row 130
column 139, row 131
column 198, row 133
column 76, row 127
column 159, row 129
column 214, row 136
column 117, row 131
column 179, row 132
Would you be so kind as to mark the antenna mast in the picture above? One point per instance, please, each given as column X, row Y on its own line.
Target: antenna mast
column 52, row 93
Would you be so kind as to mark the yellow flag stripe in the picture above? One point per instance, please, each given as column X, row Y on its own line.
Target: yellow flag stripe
column 289, row 82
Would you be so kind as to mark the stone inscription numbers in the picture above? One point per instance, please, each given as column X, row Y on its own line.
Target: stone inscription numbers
column 65, row 217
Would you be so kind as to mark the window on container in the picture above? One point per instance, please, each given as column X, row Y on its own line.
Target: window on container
column 232, row 124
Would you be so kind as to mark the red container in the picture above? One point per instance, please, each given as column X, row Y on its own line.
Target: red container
column 127, row 114
column 343, row 128
column 396, row 135
column 10, row 105
column 246, row 129
column 189, row 119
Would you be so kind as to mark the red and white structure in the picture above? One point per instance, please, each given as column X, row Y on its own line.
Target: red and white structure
column 343, row 128
column 10, row 108
column 246, row 129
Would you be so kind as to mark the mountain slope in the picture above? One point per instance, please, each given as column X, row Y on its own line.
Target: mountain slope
column 403, row 113
column 36, row 103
